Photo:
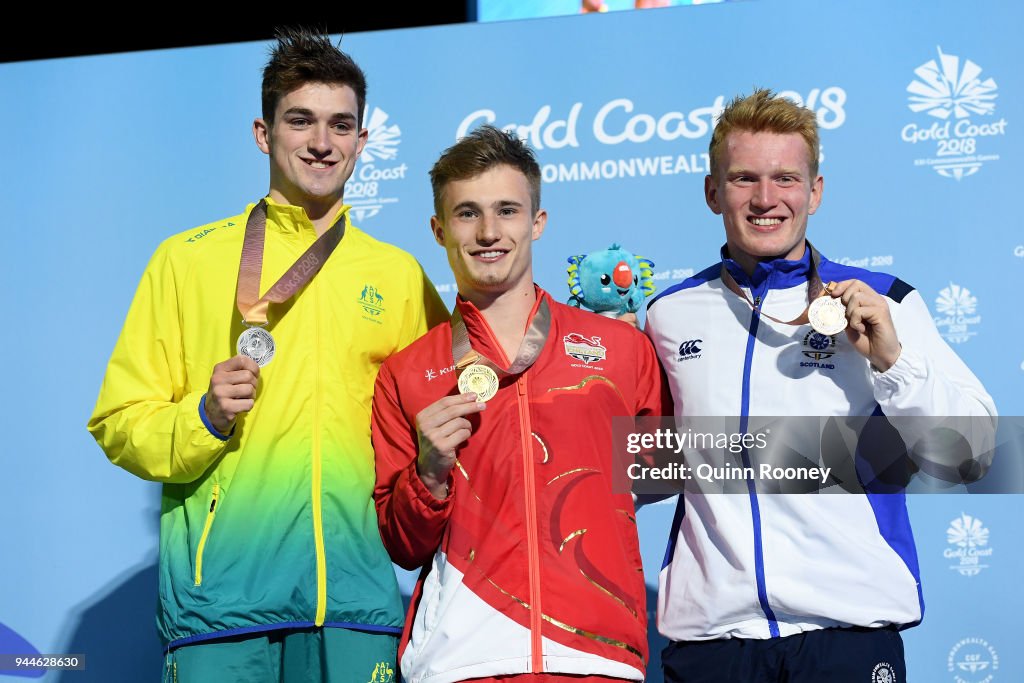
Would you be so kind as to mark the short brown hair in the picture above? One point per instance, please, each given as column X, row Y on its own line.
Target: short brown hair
column 480, row 151
column 765, row 112
column 304, row 56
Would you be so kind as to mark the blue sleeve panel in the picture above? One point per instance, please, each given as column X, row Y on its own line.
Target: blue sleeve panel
column 883, row 283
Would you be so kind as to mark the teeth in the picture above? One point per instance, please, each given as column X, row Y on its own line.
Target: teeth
column 318, row 164
column 766, row 221
column 490, row 254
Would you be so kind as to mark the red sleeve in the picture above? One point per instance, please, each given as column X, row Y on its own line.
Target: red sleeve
column 653, row 397
column 411, row 520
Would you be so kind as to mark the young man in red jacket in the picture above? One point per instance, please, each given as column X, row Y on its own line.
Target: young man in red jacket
column 493, row 441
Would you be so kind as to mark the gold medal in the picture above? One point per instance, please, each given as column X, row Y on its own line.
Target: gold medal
column 480, row 380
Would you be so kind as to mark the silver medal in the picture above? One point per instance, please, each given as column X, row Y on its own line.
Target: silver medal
column 256, row 343
column 827, row 315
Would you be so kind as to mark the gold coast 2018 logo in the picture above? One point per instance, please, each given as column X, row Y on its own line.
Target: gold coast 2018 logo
column 957, row 123
column 371, row 186
column 967, row 545
column 957, row 312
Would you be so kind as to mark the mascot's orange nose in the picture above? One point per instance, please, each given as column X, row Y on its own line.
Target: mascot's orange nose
column 622, row 275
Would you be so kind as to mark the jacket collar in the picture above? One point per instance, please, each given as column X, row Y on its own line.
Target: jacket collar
column 290, row 219
column 778, row 273
column 482, row 337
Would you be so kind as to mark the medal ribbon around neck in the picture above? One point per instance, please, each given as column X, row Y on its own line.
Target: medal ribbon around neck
column 255, row 342
column 816, row 292
column 482, row 373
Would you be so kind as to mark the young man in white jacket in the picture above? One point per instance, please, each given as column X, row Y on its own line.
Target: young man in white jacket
column 794, row 587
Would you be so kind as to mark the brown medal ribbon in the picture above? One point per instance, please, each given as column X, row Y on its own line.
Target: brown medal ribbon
column 815, row 288
column 251, row 305
column 463, row 354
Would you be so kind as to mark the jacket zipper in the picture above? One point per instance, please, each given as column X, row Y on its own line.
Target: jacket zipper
column 214, row 495
column 755, row 508
column 317, row 484
column 533, row 543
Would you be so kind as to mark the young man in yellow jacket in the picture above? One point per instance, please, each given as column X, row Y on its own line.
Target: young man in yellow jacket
column 242, row 380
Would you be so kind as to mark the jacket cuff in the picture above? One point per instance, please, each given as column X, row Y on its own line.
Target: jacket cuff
column 209, row 425
column 908, row 370
column 422, row 496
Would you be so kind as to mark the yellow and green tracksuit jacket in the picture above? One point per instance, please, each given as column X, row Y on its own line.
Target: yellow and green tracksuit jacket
column 272, row 526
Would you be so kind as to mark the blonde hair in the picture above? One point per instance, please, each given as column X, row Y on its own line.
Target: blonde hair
column 765, row 112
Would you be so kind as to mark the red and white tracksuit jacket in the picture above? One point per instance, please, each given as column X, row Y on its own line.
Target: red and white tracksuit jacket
column 531, row 564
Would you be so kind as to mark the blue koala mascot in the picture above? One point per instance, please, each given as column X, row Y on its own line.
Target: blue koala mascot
column 611, row 281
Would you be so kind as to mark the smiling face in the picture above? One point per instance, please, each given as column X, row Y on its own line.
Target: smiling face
column 488, row 228
column 313, row 143
column 764, row 192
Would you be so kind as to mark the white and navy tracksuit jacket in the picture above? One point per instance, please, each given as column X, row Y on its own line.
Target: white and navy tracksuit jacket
column 764, row 566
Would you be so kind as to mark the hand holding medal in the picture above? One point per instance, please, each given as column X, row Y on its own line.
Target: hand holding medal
column 870, row 327
column 444, row 425
column 441, row 428
column 850, row 305
column 233, row 384
column 232, row 391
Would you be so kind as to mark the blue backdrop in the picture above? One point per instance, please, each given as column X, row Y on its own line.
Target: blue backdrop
column 106, row 156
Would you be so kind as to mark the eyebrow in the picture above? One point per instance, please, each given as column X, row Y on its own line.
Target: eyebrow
column 732, row 172
column 302, row 111
column 475, row 206
column 466, row 205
